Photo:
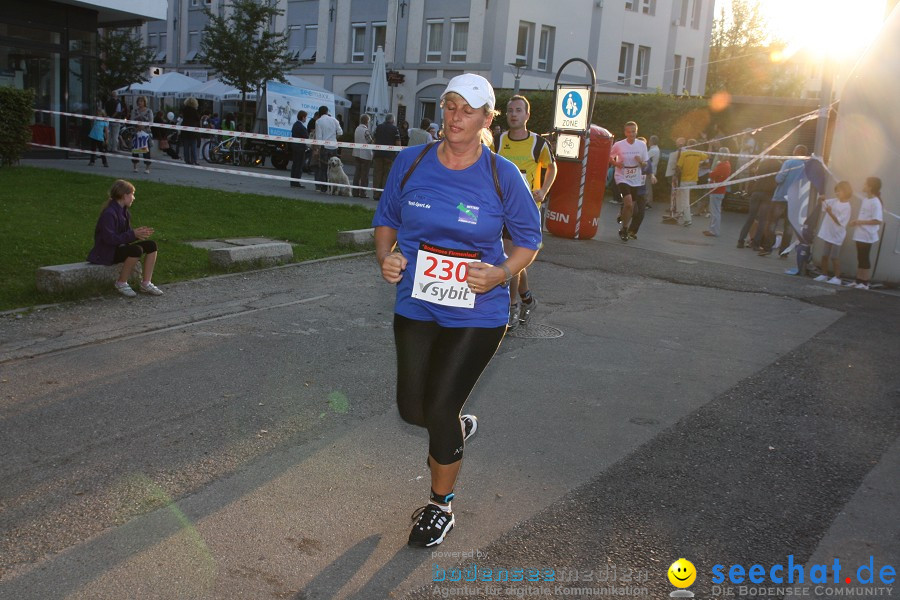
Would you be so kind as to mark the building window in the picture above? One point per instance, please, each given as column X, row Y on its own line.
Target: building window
column 308, row 54
column 161, row 49
column 358, row 45
column 459, row 39
column 695, row 17
column 524, row 43
column 434, row 43
column 684, row 13
column 428, row 108
column 193, row 46
column 295, row 41
column 642, row 66
column 625, row 56
column 631, row 5
column 688, row 74
column 379, row 35
column 153, row 42
column 545, row 48
column 648, row 7
column 676, row 74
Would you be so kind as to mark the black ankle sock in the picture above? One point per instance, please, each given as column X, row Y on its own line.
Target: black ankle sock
column 526, row 297
column 443, row 499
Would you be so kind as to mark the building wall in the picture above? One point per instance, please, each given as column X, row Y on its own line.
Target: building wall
column 594, row 30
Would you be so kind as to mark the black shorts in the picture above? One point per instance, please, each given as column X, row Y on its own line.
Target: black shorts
column 627, row 190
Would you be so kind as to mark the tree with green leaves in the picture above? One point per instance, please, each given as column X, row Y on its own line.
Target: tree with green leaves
column 123, row 60
column 242, row 49
column 740, row 55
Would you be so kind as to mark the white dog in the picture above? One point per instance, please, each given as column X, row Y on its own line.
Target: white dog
column 336, row 175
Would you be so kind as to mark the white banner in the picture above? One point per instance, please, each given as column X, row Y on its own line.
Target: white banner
column 283, row 102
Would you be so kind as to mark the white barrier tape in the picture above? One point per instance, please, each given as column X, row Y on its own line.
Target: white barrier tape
column 727, row 182
column 182, row 165
column 809, row 116
column 226, row 133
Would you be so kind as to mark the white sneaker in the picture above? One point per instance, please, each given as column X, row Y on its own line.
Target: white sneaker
column 125, row 290
column 821, row 278
column 149, row 288
column 834, row 281
column 862, row 286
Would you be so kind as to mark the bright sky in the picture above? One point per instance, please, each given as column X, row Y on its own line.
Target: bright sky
column 841, row 28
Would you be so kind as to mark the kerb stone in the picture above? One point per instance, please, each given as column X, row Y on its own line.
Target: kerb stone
column 357, row 237
column 59, row 278
column 271, row 253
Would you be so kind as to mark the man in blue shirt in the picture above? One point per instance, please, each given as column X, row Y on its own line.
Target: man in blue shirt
column 790, row 171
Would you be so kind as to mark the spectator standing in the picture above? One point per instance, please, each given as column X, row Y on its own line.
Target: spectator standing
column 790, row 171
column 653, row 152
column 327, row 130
column 115, row 108
column 688, row 171
column 99, row 136
column 298, row 151
column 404, row 133
column 363, row 157
column 672, row 175
column 720, row 172
column 867, row 230
column 140, row 143
column 190, row 117
column 386, row 134
column 420, row 135
column 761, row 191
column 833, row 230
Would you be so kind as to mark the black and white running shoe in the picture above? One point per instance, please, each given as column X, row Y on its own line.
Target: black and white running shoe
column 469, row 426
column 431, row 526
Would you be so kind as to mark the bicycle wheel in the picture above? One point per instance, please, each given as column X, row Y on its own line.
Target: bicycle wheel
column 126, row 135
column 206, row 149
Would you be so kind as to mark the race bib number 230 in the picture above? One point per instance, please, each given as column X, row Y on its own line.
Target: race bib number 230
column 441, row 276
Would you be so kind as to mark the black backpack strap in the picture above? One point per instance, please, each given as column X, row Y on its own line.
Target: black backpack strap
column 496, row 176
column 415, row 164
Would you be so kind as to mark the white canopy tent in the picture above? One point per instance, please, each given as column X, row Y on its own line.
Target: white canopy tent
column 293, row 81
column 161, row 86
column 214, row 90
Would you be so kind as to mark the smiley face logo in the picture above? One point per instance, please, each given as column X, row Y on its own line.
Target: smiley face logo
column 682, row 573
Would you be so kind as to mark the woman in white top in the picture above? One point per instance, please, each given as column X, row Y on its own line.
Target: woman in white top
column 833, row 230
column 867, row 227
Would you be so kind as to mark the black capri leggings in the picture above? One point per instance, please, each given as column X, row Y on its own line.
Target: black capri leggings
column 863, row 250
column 437, row 368
column 135, row 250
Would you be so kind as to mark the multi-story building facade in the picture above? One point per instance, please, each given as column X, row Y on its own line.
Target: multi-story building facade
column 635, row 46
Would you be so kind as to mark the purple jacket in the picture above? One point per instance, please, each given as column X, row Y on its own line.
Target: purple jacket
column 113, row 230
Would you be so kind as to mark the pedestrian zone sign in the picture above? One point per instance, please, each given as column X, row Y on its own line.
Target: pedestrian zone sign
column 572, row 106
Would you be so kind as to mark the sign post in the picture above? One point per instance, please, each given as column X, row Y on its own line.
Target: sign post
column 573, row 108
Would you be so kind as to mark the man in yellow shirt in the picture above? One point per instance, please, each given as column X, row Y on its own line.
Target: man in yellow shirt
column 531, row 153
column 688, row 170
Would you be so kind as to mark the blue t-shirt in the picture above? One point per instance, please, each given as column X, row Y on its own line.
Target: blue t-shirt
column 98, row 131
column 459, row 211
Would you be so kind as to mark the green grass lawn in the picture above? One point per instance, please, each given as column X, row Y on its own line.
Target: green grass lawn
column 47, row 217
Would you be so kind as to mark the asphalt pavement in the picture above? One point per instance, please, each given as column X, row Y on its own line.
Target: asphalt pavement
column 237, row 438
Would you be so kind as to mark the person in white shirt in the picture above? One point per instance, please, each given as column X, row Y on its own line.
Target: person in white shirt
column 327, row 129
column 653, row 151
column 867, row 227
column 363, row 157
column 833, row 230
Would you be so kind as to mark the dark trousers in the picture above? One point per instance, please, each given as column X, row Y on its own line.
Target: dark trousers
column 98, row 146
column 298, row 155
column 382, row 168
column 322, row 170
column 762, row 215
column 777, row 210
column 637, row 213
column 361, row 176
column 756, row 199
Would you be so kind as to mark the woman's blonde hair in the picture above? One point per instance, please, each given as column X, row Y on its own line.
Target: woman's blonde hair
column 117, row 191
column 487, row 137
column 192, row 102
column 144, row 98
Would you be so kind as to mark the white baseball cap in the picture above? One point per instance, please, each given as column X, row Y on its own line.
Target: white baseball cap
column 475, row 89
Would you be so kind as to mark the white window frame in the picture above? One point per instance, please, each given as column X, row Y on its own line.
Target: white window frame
column 424, row 103
column 529, row 43
column 688, row 74
column 695, row 15
column 434, row 56
column 648, row 7
column 308, row 53
column 357, row 42
column 642, row 66
column 161, row 49
column 375, row 26
column 458, row 56
column 545, row 48
column 676, row 75
column 295, row 41
column 631, row 5
column 626, row 56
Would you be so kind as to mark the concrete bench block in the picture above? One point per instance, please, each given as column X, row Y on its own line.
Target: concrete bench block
column 357, row 237
column 60, row 278
column 271, row 253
